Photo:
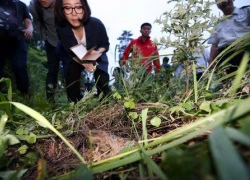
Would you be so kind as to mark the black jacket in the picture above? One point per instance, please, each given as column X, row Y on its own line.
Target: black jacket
column 96, row 36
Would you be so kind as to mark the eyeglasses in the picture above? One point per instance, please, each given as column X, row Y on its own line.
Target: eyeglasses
column 69, row 10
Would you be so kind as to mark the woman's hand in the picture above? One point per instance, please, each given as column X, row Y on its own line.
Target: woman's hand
column 89, row 67
column 28, row 33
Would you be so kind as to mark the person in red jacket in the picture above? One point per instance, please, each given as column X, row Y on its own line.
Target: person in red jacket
column 143, row 49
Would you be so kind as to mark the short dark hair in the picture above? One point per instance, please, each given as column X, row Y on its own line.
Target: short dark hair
column 116, row 71
column 146, row 24
column 60, row 16
column 165, row 59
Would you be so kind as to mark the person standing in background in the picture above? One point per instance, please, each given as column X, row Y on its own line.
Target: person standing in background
column 44, row 21
column 144, row 49
column 165, row 64
column 235, row 25
column 15, row 29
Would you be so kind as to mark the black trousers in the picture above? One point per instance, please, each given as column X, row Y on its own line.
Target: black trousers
column 53, row 69
column 15, row 50
column 73, row 76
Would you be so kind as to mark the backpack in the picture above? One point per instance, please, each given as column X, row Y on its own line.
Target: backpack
column 9, row 18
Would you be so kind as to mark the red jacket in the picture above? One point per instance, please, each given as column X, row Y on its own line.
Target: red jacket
column 144, row 51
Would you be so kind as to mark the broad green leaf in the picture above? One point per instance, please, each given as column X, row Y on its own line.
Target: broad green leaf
column 23, row 149
column 31, row 158
column 6, row 175
column 222, row 102
column 117, row 95
column 205, row 106
column 25, row 132
column 215, row 108
column 244, row 123
column 188, row 105
column 227, row 159
column 177, row 109
column 31, row 139
column 238, row 136
column 11, row 139
column 155, row 121
column 133, row 115
column 83, row 172
column 129, row 104
column 19, row 131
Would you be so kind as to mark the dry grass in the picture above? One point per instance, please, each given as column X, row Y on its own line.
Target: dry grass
column 103, row 133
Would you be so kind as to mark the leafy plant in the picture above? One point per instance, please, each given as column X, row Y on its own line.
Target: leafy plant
column 185, row 26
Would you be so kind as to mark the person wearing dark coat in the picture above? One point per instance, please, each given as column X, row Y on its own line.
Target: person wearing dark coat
column 76, row 26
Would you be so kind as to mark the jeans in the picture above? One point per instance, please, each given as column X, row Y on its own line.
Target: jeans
column 73, row 81
column 15, row 50
column 53, row 69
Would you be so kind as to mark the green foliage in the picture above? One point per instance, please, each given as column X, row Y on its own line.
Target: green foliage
column 37, row 66
column 184, row 26
column 31, row 158
column 83, row 171
column 133, row 115
column 24, row 134
column 188, row 162
column 212, row 107
column 42, row 121
column 206, row 106
column 12, row 174
column 37, row 71
column 152, row 166
column 141, row 85
column 155, row 121
column 6, row 139
column 177, row 109
column 129, row 103
column 22, row 149
column 228, row 162
column 245, row 125
column 117, row 96
column 240, row 74
column 187, row 22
